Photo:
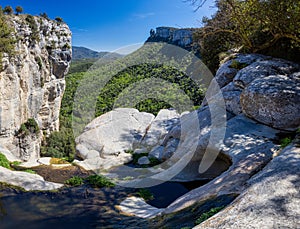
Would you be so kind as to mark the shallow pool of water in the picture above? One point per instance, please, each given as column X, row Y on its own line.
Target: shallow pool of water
column 81, row 207
column 164, row 194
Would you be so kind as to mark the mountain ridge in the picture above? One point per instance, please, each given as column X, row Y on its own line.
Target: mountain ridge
column 81, row 53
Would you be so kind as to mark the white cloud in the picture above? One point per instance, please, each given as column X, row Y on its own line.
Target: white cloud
column 144, row 15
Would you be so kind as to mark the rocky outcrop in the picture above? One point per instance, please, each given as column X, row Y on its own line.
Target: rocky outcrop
column 248, row 145
column 263, row 88
column 26, row 180
column 32, row 82
column 274, row 101
column 106, row 141
column 107, row 138
column 180, row 37
column 272, row 199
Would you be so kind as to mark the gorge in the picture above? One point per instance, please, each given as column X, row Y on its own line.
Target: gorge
column 254, row 178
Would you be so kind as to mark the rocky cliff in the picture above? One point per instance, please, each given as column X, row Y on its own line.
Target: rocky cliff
column 180, row 37
column 32, row 83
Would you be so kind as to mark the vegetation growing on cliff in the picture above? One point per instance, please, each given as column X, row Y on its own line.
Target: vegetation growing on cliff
column 7, row 41
column 269, row 27
column 4, row 162
column 30, row 126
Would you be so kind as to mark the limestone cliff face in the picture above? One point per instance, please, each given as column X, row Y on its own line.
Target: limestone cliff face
column 32, row 82
column 179, row 37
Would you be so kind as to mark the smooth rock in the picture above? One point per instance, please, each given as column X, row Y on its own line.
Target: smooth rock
column 157, row 152
column 139, row 151
column 271, row 199
column 26, row 180
column 106, row 138
column 231, row 95
column 247, row 144
column 135, row 206
column 160, row 126
column 144, row 161
column 8, row 155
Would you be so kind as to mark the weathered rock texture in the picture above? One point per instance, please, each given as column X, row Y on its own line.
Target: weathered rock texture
column 175, row 36
column 26, row 180
column 106, row 140
column 272, row 199
column 261, row 96
column 32, row 82
column 263, row 88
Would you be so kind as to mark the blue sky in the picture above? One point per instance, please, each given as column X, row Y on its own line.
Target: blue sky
column 105, row 25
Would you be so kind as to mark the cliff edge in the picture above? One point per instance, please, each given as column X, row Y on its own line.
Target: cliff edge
column 32, row 83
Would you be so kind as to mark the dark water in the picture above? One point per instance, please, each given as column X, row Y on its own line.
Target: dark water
column 166, row 193
column 80, row 207
column 74, row 208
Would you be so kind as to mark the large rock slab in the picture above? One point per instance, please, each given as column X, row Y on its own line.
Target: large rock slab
column 165, row 120
column 247, row 144
column 266, row 89
column 136, row 206
column 271, row 200
column 26, row 180
column 106, row 138
column 274, row 100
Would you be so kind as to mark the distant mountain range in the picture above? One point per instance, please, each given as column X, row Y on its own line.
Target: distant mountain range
column 81, row 53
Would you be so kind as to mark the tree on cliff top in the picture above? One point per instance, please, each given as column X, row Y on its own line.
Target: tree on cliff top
column 270, row 27
column 19, row 10
column 8, row 10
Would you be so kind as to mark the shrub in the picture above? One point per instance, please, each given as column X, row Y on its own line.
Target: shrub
column 19, row 10
column 74, row 181
column 237, row 65
column 29, row 171
column 7, row 43
column 145, row 194
column 8, row 10
column 59, row 145
column 208, row 214
column 59, row 19
column 58, row 161
column 154, row 161
column 16, row 163
column 28, row 127
column 285, row 142
column 34, row 28
column 4, row 162
column 44, row 15
column 99, row 181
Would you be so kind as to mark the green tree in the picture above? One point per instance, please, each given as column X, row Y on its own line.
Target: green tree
column 8, row 10
column 44, row 15
column 59, row 19
column 252, row 26
column 19, row 10
column 6, row 40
